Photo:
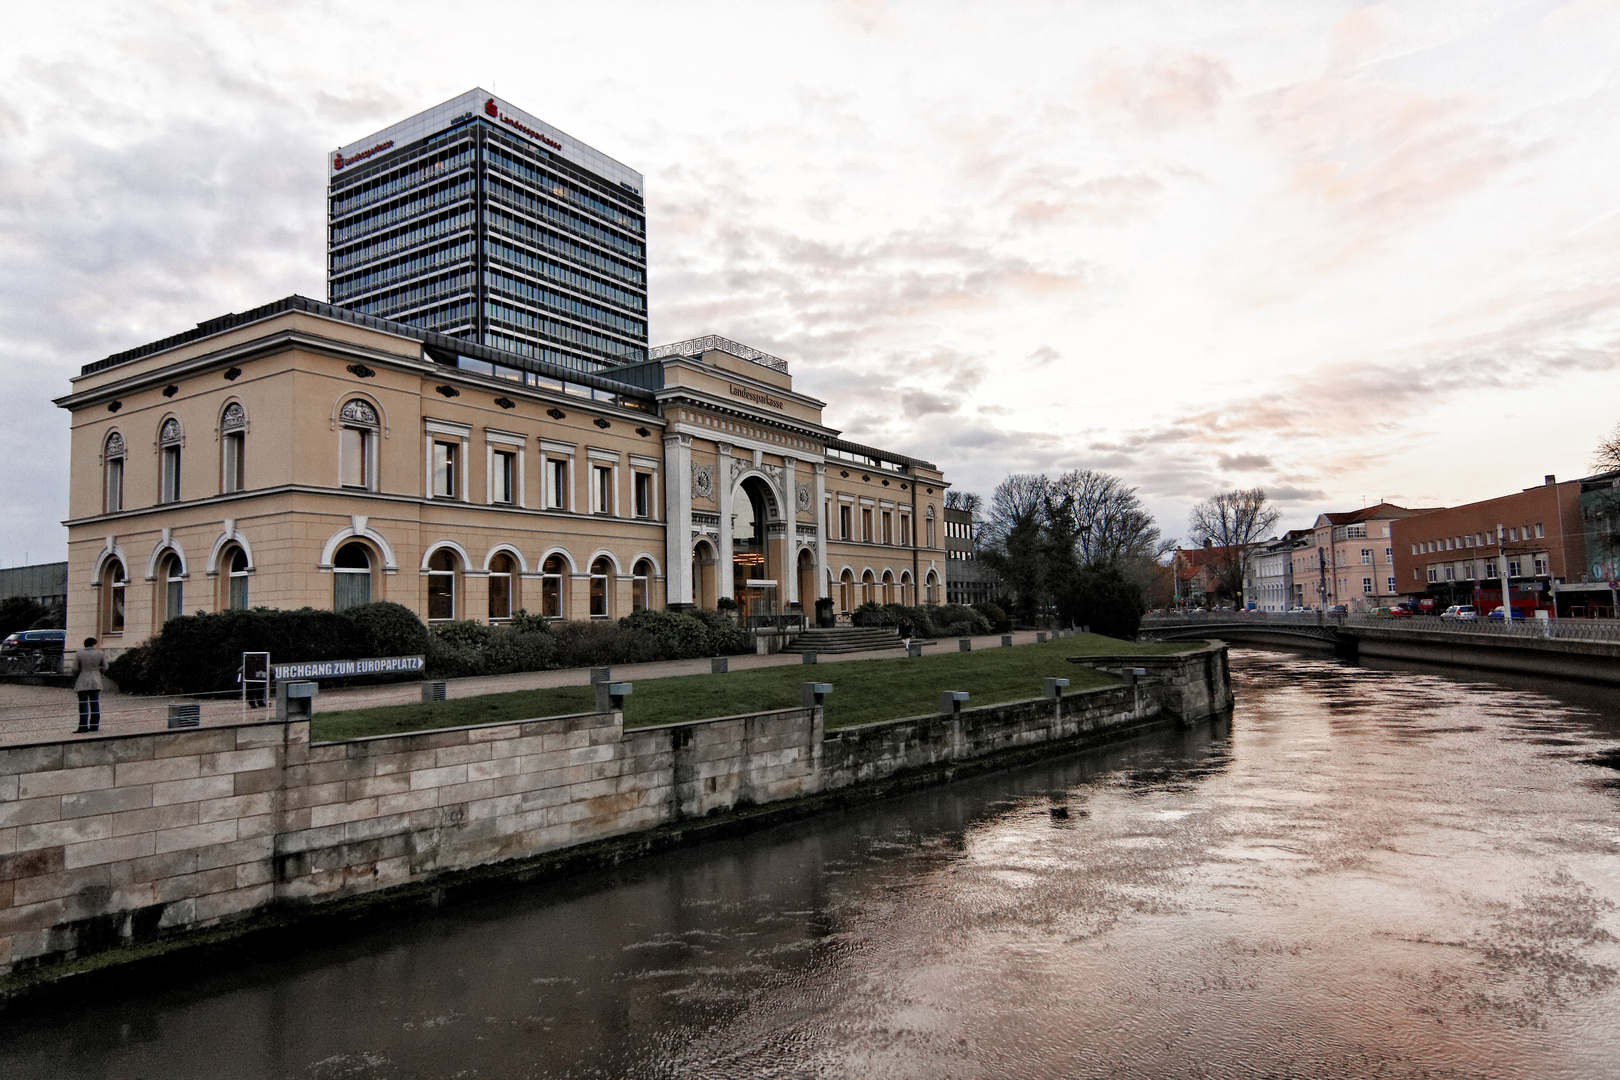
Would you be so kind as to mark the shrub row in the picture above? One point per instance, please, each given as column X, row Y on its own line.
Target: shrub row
column 203, row 653
column 945, row 620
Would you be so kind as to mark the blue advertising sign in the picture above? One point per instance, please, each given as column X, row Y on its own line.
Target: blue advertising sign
column 338, row 669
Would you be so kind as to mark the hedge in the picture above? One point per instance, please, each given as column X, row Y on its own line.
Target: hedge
column 202, row 653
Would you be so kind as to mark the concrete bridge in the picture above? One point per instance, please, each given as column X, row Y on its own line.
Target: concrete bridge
column 1584, row 649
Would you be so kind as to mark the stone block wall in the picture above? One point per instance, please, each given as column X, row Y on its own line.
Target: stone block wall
column 123, row 840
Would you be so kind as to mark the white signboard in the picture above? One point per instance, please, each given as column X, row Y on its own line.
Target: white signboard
column 338, row 669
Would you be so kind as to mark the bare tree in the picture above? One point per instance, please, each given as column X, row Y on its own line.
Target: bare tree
column 1233, row 523
column 1013, row 502
column 964, row 500
column 1110, row 523
column 1606, row 458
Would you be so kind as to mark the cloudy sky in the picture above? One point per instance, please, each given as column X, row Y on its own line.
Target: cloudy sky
column 1343, row 252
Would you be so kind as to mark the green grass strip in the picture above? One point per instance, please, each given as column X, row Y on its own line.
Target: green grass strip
column 865, row 690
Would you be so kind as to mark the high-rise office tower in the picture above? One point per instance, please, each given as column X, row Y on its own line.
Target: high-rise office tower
column 479, row 221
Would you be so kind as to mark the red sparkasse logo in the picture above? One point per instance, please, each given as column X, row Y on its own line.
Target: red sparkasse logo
column 489, row 107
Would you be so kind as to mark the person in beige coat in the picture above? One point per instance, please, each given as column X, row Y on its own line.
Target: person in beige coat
column 88, row 665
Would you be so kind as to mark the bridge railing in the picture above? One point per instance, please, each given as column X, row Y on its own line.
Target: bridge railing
column 1564, row 629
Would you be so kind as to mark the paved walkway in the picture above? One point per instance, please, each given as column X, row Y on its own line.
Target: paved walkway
column 35, row 714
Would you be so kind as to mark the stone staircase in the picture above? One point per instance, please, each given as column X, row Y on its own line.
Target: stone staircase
column 846, row 639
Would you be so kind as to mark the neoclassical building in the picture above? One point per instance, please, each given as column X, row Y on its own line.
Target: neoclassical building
column 303, row 455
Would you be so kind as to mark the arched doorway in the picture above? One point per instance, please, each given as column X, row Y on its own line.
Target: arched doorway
column 602, row 578
column 888, row 587
column 441, row 586
column 846, row 591
column 868, row 587
column 704, row 579
column 113, row 584
column 640, row 585
column 807, row 580
column 908, row 593
column 503, row 583
column 554, row 578
column 753, row 573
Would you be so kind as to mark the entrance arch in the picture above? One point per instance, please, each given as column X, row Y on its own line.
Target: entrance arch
column 705, row 575
column 807, row 580
column 755, row 568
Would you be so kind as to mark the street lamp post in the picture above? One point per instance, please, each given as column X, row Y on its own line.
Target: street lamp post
column 1507, row 583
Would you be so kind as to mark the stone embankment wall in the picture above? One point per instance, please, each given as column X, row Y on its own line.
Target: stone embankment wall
column 114, row 842
column 1589, row 661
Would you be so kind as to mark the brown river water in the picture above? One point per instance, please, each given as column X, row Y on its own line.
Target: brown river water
column 1368, row 873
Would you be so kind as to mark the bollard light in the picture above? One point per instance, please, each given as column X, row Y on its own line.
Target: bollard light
column 610, row 696
column 950, row 702
column 1053, row 688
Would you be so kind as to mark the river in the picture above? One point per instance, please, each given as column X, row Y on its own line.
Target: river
column 1368, row 873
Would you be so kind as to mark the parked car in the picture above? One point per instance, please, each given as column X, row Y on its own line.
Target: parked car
column 1460, row 611
column 1338, row 609
column 33, row 650
column 1400, row 611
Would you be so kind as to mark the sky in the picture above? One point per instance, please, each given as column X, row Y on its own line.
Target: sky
column 1341, row 252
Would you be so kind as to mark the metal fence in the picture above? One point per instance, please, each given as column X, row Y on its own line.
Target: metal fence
column 1563, row 629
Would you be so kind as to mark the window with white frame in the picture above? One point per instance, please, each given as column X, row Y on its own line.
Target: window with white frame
column 503, row 477
column 1541, row 567
column 357, row 444
column 888, row 527
column 169, row 441
column 113, row 453
column 845, row 513
column 905, row 530
column 446, row 469
column 1366, row 556
column 1514, row 568
column 601, row 488
column 1391, row 583
column 644, row 495
column 557, row 483
column 1541, row 531
column 232, row 446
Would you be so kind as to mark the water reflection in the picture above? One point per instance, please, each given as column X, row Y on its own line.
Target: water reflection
column 1375, row 872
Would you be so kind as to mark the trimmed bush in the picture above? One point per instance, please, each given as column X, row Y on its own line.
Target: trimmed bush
column 958, row 620
column 391, row 629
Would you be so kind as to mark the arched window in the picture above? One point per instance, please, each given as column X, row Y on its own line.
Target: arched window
column 846, row 591
column 502, row 575
column 112, row 597
column 601, row 578
column 441, row 586
column 169, row 473
column 351, row 577
column 931, row 585
column 907, row 593
column 174, row 587
column 113, row 455
column 868, row 588
column 232, row 433
column 357, row 444
column 888, row 587
column 553, row 578
column 235, row 562
column 641, row 576
column 929, row 522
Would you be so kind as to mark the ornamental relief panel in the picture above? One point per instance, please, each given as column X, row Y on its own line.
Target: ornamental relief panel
column 802, row 497
column 702, row 482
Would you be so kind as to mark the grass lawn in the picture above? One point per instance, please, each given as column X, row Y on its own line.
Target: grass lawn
column 864, row 690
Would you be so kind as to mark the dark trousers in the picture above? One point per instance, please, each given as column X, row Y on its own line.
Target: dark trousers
column 89, row 710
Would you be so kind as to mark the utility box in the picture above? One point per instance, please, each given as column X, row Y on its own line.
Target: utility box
column 719, row 665
column 913, row 649
column 812, row 695
column 610, row 696
column 434, row 690
column 185, row 716
column 950, row 702
column 1053, row 688
column 964, row 644
column 1006, row 641
column 296, row 700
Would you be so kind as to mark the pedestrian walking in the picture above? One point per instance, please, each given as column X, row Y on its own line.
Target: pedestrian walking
column 905, row 630
column 88, row 665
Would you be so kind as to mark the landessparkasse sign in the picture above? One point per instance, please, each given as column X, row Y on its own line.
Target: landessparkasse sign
column 338, row 669
column 513, row 121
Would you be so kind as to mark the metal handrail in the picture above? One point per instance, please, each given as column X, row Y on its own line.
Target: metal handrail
column 1567, row 629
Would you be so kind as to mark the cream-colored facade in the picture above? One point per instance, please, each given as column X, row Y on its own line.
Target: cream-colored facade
column 300, row 455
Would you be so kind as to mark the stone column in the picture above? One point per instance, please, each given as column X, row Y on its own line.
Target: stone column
column 678, row 584
column 790, row 511
column 722, row 485
column 821, row 531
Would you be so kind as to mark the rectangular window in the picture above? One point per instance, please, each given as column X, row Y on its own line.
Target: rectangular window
column 1541, row 567
column 115, row 485
column 171, row 475
column 1451, row 573
column 602, row 489
column 843, row 522
column 446, row 458
column 232, row 465
column 930, row 532
column 557, row 483
column 888, row 527
column 1513, row 568
column 1513, row 534
column 905, row 530
column 1490, row 568
column 1392, row 585
column 644, row 487
column 354, row 445
column 866, row 525
column 1366, row 556
column 503, row 477
column 1434, row 575
column 1541, row 532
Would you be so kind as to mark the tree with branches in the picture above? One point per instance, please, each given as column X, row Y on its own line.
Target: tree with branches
column 1606, row 458
column 1232, row 523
